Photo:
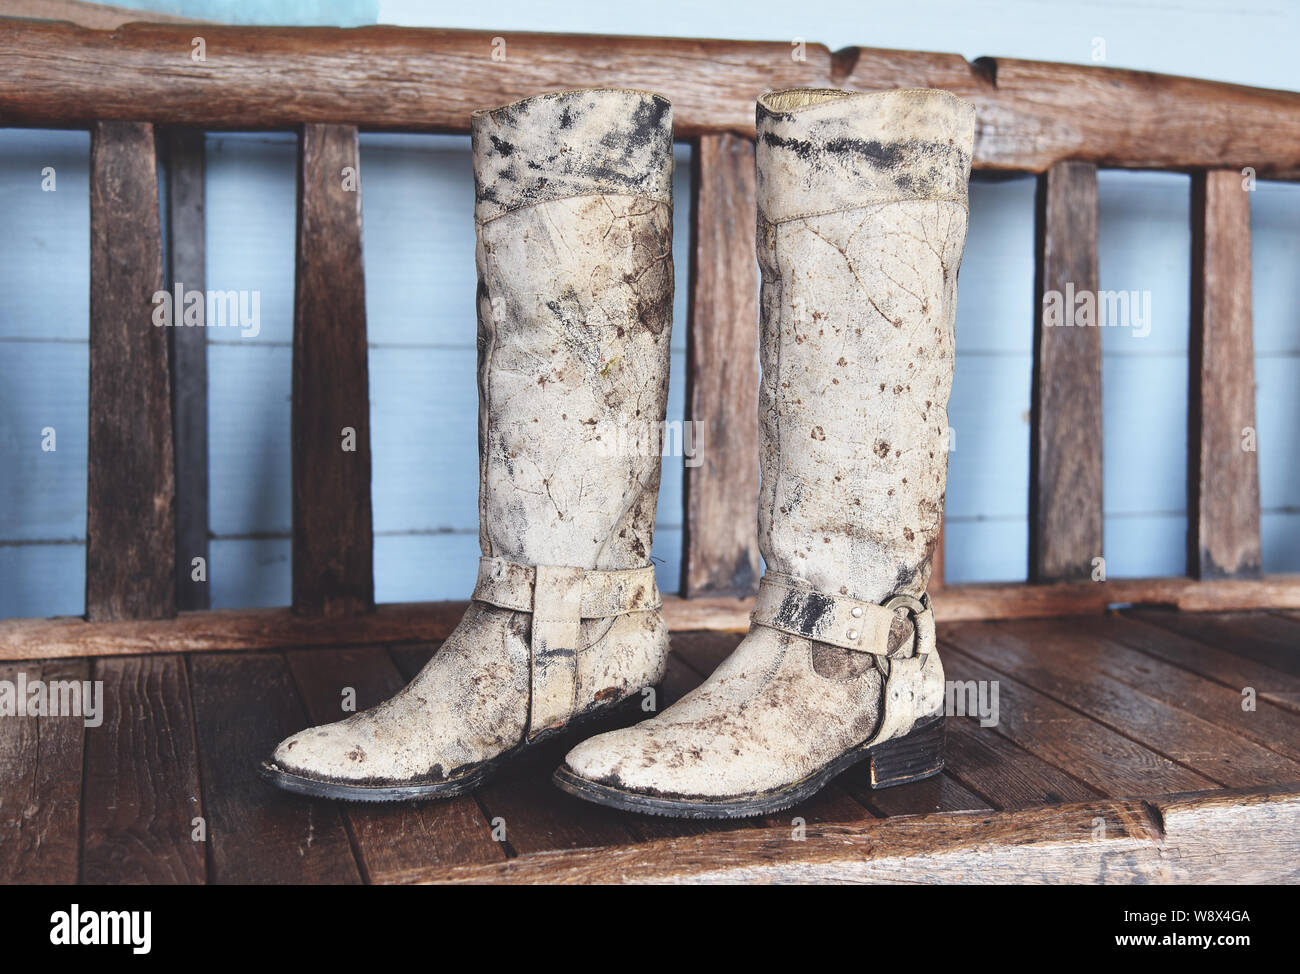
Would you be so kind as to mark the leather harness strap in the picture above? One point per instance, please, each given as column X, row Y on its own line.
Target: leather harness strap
column 559, row 598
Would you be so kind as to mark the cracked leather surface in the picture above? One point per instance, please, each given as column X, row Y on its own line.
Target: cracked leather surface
column 574, row 218
column 861, row 227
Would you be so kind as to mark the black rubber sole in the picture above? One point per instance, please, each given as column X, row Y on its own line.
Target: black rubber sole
column 913, row 757
column 620, row 715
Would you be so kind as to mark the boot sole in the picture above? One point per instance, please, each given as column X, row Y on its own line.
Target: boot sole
column 913, row 757
column 621, row 714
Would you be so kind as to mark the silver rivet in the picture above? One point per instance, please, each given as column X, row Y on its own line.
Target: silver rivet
column 857, row 612
column 853, row 634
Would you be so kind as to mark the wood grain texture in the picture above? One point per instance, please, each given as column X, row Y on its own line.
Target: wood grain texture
column 277, row 628
column 188, row 357
column 377, row 77
column 720, row 548
column 1230, row 669
column 389, row 838
column 40, row 785
column 1265, row 637
column 1223, row 530
column 243, row 707
column 130, row 521
column 333, row 537
column 1102, row 758
column 141, row 784
column 1075, row 671
column 1208, row 837
column 1065, row 451
column 1032, row 114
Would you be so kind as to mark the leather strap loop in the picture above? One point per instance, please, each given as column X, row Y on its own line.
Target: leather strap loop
column 559, row 598
column 604, row 593
column 791, row 605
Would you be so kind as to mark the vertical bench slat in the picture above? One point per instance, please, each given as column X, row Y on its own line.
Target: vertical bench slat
column 720, row 548
column 1223, row 519
column 188, row 348
column 130, row 526
column 333, row 538
column 1065, row 493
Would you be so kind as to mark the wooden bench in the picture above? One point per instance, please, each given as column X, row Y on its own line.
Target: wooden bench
column 1108, row 714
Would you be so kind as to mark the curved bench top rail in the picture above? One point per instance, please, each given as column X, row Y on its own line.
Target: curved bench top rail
column 1031, row 114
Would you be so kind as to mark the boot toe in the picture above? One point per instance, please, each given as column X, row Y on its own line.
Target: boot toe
column 332, row 752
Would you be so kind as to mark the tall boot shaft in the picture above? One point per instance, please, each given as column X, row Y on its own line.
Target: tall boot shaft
column 862, row 217
column 573, row 208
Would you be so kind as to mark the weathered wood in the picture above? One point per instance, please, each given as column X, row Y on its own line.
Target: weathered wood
column 141, row 785
column 188, row 355
column 1230, row 669
column 1223, row 533
column 1103, row 759
column 130, row 526
column 388, row 838
column 1216, row 837
column 333, row 538
column 40, row 785
column 1032, row 114
column 1096, row 644
column 720, row 549
column 243, row 707
column 1072, row 670
column 1004, row 773
column 262, row 629
column 1065, row 447
column 1273, row 640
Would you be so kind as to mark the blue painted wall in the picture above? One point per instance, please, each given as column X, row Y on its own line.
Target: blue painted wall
column 420, row 288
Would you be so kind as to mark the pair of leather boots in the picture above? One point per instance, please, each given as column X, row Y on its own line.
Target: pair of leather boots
column 862, row 213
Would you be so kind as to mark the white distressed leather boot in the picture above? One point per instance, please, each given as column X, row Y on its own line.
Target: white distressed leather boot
column 862, row 202
column 574, row 217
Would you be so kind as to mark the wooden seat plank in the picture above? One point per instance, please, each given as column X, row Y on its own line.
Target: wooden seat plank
column 243, row 706
column 389, row 838
column 1266, row 637
column 1265, row 723
column 41, row 761
column 1100, row 757
column 141, row 801
column 1068, row 670
column 1277, row 687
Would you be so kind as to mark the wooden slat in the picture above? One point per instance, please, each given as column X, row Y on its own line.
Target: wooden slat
column 141, row 785
column 333, row 540
column 262, row 629
column 1223, row 533
column 1065, row 509
column 389, row 839
column 130, row 527
column 188, row 351
column 1273, row 640
column 243, row 707
column 1098, row 756
column 1158, row 674
column 1248, row 836
column 1005, row 773
column 1230, row 669
column 40, row 785
column 1073, row 671
column 1032, row 115
column 720, row 551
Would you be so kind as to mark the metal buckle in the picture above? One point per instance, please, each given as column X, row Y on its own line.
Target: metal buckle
column 914, row 607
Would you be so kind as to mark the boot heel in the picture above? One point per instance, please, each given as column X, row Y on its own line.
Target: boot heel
column 913, row 756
